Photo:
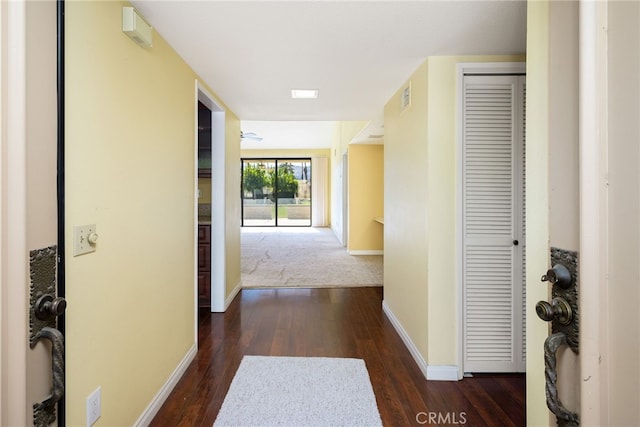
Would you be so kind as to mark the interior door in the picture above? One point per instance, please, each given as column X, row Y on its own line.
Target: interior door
column 29, row 211
column 585, row 171
column 46, row 363
column 552, row 185
column 583, row 191
column 609, row 214
column 493, row 223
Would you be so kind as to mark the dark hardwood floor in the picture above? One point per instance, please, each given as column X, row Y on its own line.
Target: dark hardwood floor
column 344, row 322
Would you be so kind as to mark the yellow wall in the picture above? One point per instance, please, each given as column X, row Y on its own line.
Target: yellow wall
column 441, row 207
column 420, row 266
column 348, row 131
column 537, row 204
column 232, row 203
column 366, row 197
column 405, row 210
column 130, row 170
column 621, row 332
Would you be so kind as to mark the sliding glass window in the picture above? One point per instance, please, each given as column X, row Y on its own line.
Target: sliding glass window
column 276, row 192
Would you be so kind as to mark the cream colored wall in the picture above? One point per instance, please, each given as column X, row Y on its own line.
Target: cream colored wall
column 14, row 259
column 8, row 405
column 537, row 204
column 620, row 360
column 348, row 131
column 232, row 202
column 366, row 197
column 130, row 170
column 405, row 210
column 441, row 204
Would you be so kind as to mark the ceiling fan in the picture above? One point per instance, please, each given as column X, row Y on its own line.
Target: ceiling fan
column 250, row 136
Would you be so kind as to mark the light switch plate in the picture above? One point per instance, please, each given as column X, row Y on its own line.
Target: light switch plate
column 94, row 406
column 81, row 243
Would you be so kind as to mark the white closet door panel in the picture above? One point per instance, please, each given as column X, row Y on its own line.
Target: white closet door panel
column 488, row 160
column 489, row 302
column 491, row 222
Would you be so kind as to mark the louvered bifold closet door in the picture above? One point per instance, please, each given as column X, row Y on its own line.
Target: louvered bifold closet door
column 493, row 238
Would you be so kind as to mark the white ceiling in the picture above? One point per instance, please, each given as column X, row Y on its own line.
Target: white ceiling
column 356, row 53
column 288, row 134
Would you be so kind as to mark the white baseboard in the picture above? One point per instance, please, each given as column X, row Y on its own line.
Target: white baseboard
column 442, row 373
column 372, row 252
column 422, row 364
column 232, row 295
column 430, row 372
column 147, row 416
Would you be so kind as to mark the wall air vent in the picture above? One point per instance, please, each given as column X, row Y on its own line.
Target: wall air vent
column 405, row 97
column 136, row 27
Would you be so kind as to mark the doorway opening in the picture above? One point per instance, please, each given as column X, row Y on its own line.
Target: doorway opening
column 276, row 192
column 210, row 179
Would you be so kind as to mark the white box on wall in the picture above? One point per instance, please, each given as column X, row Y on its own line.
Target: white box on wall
column 136, row 27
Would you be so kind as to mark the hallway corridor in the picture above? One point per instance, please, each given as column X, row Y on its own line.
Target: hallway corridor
column 346, row 322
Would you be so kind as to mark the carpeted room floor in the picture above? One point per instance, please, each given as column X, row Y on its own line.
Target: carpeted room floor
column 303, row 257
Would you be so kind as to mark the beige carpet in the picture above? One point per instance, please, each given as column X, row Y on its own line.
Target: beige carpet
column 303, row 257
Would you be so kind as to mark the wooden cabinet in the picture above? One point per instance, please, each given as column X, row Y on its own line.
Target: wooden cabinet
column 204, row 265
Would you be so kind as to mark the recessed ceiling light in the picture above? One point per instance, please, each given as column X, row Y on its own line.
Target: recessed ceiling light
column 304, row 93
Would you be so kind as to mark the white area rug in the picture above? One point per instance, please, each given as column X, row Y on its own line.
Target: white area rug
column 300, row 392
column 303, row 257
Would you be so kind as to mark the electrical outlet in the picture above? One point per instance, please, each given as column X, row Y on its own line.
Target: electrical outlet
column 94, row 406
